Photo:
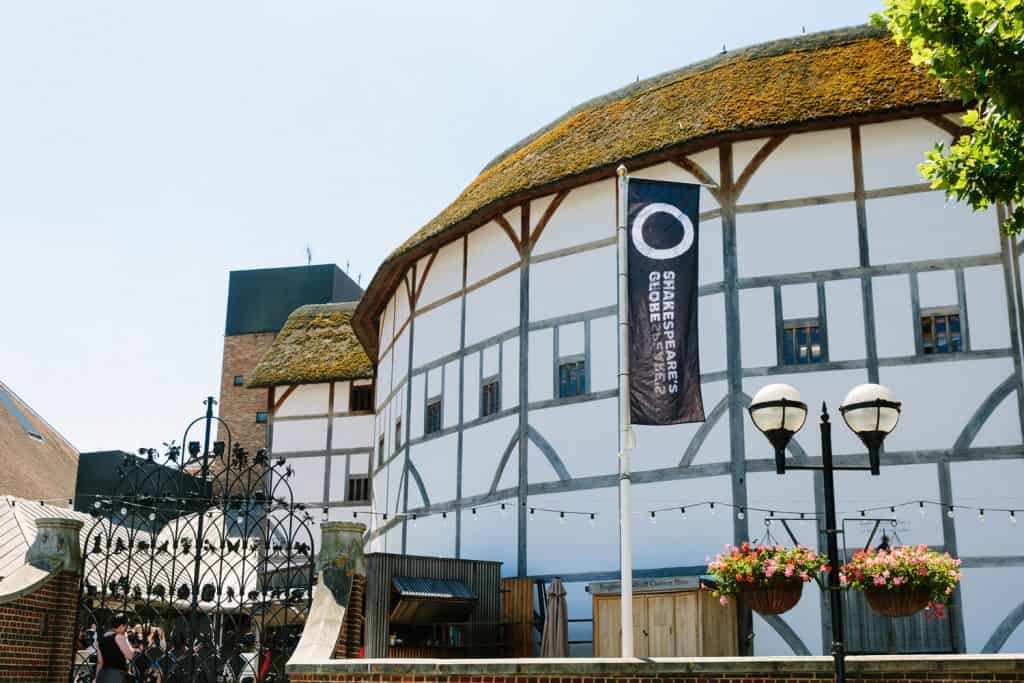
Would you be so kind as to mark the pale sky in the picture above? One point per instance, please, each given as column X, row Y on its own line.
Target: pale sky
column 148, row 148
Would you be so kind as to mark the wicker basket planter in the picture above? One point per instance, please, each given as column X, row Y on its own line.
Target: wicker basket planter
column 774, row 599
column 897, row 603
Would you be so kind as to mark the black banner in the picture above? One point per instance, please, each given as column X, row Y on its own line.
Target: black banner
column 664, row 359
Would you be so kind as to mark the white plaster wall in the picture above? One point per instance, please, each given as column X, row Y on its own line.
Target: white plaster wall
column 571, row 284
column 658, row 447
column 604, row 360
column 993, row 484
column 709, row 251
column 493, row 308
column 490, row 359
column 797, row 240
column 437, row 332
column 937, row 288
column 436, row 461
column 923, row 226
column 541, row 373
column 986, row 604
column 986, row 307
column 930, row 418
column 845, row 312
column 308, row 482
column 387, row 323
column 490, row 249
column 804, row 165
column 385, row 381
column 471, row 400
column 570, row 339
column 401, row 356
column 711, row 330
column 432, row 535
column 416, row 417
column 892, row 150
column 509, row 374
column 587, row 214
column 300, row 435
column 584, row 435
column 307, row 399
column 491, row 536
column 757, row 327
column 445, row 275
column 800, row 301
column 707, row 160
column 894, row 319
column 482, row 448
column 402, row 299
column 352, row 431
column 450, row 400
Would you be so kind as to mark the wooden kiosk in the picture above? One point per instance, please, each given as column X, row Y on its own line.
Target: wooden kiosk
column 672, row 617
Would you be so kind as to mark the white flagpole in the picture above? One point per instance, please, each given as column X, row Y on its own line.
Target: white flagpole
column 625, row 427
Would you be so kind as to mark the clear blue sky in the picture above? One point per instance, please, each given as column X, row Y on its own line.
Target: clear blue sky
column 148, row 148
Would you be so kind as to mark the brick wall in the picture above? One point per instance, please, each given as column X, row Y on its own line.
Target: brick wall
column 36, row 632
column 238, row 405
column 906, row 669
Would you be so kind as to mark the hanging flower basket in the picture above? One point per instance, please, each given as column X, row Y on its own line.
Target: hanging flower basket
column 903, row 581
column 769, row 578
column 775, row 598
column 897, row 603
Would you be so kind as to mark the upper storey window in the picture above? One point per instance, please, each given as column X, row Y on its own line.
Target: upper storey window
column 490, row 397
column 940, row 330
column 432, row 423
column 572, row 378
column 361, row 399
column 802, row 342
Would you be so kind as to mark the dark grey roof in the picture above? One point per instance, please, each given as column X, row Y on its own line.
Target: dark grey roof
column 434, row 589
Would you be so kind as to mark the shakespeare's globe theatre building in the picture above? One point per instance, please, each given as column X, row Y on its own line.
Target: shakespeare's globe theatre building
column 825, row 262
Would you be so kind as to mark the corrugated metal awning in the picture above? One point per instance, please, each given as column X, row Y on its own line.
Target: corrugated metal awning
column 434, row 589
column 431, row 601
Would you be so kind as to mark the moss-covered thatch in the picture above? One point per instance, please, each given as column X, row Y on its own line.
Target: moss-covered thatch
column 848, row 74
column 316, row 344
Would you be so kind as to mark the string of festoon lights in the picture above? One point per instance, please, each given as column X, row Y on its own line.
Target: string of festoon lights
column 502, row 508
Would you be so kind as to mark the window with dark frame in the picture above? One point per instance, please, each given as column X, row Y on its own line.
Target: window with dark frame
column 432, row 421
column 261, row 417
column 490, row 397
column 238, row 380
column 802, row 342
column 358, row 490
column 940, row 330
column 572, row 378
column 360, row 398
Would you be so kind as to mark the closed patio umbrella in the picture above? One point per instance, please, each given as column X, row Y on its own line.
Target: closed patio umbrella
column 555, row 639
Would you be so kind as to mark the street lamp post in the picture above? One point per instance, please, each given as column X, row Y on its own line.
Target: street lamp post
column 871, row 412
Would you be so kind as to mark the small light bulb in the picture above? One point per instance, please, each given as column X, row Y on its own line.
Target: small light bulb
column 1013, row 517
column 654, row 519
column 861, row 513
column 324, row 516
column 532, row 510
column 711, row 508
column 920, row 507
column 949, row 512
column 124, row 511
column 414, row 520
column 981, row 515
column 502, row 509
column 741, row 514
column 682, row 513
column 474, row 515
column 385, row 516
column 355, row 515
column 97, row 505
column 892, row 508
column 444, row 518
column 152, row 516
column 561, row 518
column 593, row 522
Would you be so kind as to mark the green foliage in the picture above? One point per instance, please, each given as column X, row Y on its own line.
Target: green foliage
column 976, row 49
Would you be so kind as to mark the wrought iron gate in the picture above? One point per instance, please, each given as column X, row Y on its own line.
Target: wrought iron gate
column 210, row 553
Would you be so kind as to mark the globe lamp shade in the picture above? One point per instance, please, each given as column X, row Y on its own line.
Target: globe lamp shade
column 778, row 413
column 871, row 412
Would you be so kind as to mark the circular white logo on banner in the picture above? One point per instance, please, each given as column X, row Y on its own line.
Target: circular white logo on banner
column 662, row 254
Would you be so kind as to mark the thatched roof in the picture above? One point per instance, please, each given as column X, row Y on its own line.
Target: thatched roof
column 36, row 462
column 316, row 344
column 817, row 80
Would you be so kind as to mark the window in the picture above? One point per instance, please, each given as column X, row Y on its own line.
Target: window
column 360, row 399
column 398, row 435
column 239, row 380
column 490, row 397
column 380, row 450
column 432, row 423
column 358, row 490
column 572, row 378
column 802, row 342
column 940, row 330
column 261, row 417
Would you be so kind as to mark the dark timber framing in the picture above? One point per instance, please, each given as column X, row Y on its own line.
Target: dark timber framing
column 737, row 467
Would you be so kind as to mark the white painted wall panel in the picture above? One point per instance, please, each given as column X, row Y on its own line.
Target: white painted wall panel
column 757, row 327
column 986, row 604
column 387, row 322
column 1002, row 427
column 711, row 330
column 307, row 399
column 986, row 307
column 433, row 536
column 433, row 382
column 353, row 431
column 450, row 400
column 510, row 374
column 541, row 373
column 492, row 536
column 930, row 419
column 436, row 333
column 493, row 308
column 584, row 435
column 805, row 165
column 490, row 249
column 300, row 435
column 445, row 275
column 570, row 339
column 401, row 356
column 663, row 446
column 802, row 239
column 709, row 251
column 892, row 150
column 416, row 418
column 894, row 320
column 384, row 380
column 471, row 400
column 594, row 547
column 402, row 300
column 994, row 484
column 937, row 288
column 845, row 311
column 574, row 283
column 308, row 482
column 481, row 452
column 436, row 461
column 923, row 226
column 587, row 214
column 342, row 396
column 707, row 160
column 604, row 359
column 490, row 356
column 800, row 301
column 896, row 484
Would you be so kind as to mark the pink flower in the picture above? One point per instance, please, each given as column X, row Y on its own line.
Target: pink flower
column 723, row 601
column 879, row 581
column 804, row 576
column 922, row 570
column 897, row 581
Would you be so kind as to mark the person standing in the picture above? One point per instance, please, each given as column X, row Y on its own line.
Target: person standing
column 114, row 652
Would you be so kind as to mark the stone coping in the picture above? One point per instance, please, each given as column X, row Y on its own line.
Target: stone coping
column 26, row 579
column 647, row 666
